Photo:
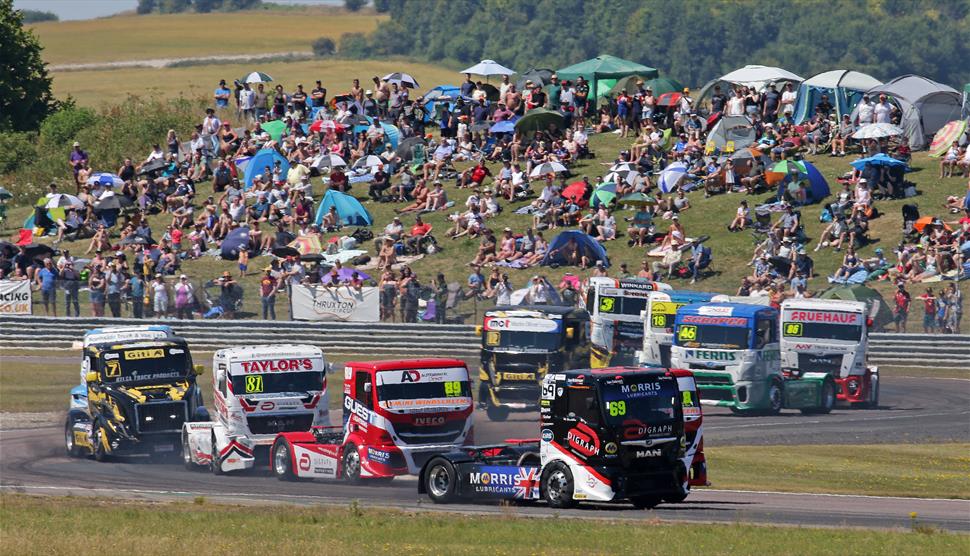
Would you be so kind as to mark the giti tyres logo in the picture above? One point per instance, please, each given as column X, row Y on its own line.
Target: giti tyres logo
column 276, row 365
column 410, row 376
column 584, row 440
column 429, row 421
column 304, row 462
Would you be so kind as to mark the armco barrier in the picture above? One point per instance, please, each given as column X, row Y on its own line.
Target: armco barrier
column 43, row 333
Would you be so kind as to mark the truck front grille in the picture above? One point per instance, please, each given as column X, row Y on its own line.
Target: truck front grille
column 272, row 424
column 158, row 417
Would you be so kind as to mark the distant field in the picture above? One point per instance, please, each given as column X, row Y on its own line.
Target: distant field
column 97, row 87
column 38, row 525
column 189, row 35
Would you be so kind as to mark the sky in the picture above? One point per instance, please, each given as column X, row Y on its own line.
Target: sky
column 90, row 9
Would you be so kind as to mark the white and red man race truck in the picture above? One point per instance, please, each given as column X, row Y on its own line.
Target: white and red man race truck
column 396, row 416
column 258, row 392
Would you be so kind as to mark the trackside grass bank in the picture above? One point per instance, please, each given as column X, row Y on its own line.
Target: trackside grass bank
column 917, row 470
column 37, row 525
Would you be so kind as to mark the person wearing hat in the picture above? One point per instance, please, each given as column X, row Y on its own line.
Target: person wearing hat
column 78, row 160
column 184, row 298
column 70, row 279
column 686, row 103
column 370, row 105
column 802, row 265
column 901, row 303
column 159, row 291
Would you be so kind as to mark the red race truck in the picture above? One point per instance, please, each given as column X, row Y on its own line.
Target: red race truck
column 396, row 416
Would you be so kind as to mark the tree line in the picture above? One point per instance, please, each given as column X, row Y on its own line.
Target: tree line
column 692, row 40
column 199, row 6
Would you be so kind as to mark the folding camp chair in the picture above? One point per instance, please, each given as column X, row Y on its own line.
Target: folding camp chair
column 418, row 158
column 729, row 147
column 709, row 148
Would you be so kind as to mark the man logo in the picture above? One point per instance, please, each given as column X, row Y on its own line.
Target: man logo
column 410, row 376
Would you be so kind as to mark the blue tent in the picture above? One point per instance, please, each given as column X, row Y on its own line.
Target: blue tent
column 588, row 247
column 265, row 157
column 818, row 188
column 236, row 241
column 843, row 87
column 391, row 132
column 349, row 209
column 447, row 94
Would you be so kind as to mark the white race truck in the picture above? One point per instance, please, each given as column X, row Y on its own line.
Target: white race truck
column 258, row 392
column 658, row 324
column 831, row 336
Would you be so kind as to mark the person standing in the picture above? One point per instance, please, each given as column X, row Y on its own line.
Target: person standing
column 222, row 94
column 159, row 296
column 46, row 277
column 929, row 311
column 882, row 111
column 71, row 281
column 115, row 281
column 412, row 292
column 96, row 287
column 184, row 296
column 440, row 298
column 136, row 289
column 247, row 102
column 901, row 309
column 267, row 294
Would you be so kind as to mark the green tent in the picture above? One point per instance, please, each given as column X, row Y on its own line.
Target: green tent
column 883, row 316
column 661, row 85
column 602, row 72
column 628, row 84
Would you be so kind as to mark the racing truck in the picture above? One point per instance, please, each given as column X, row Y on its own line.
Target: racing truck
column 615, row 309
column 137, row 395
column 828, row 337
column 606, row 434
column 258, row 392
column 658, row 324
column 733, row 351
column 520, row 345
column 396, row 416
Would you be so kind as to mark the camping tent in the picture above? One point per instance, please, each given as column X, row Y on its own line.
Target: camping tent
column 602, row 72
column 588, row 247
column 844, row 88
column 883, row 314
column 733, row 128
column 925, row 104
column 758, row 77
column 259, row 161
column 818, row 188
column 541, row 76
column 349, row 209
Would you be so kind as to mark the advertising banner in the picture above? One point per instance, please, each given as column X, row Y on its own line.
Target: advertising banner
column 15, row 297
column 341, row 303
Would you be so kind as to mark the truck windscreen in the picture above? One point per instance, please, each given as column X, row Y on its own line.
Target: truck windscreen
column 421, row 388
column 277, row 383
column 638, row 404
column 620, row 305
column 522, row 340
column 828, row 325
column 712, row 336
column 143, row 365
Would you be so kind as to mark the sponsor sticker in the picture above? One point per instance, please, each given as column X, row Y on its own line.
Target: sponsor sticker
column 546, row 435
column 136, row 354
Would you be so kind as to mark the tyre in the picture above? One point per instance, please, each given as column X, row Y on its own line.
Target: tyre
column 215, row 464
column 73, row 451
column 827, row 400
column 440, row 481
column 187, row 454
column 558, row 486
column 873, row 402
column 683, row 489
column 645, row 502
column 351, row 464
column 776, row 398
column 496, row 412
column 282, row 461
column 99, row 452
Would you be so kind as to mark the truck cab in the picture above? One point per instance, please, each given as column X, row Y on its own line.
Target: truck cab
column 137, row 395
column 258, row 392
column 658, row 324
column 830, row 337
column 615, row 309
column 605, row 434
column 396, row 416
column 520, row 346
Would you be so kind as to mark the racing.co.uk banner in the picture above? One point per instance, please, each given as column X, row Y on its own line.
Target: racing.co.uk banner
column 340, row 303
column 15, row 297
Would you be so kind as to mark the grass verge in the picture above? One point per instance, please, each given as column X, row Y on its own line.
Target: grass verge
column 918, row 470
column 36, row 525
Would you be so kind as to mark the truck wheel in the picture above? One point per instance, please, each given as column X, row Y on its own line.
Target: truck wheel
column 558, row 486
column 215, row 465
column 99, row 453
column 187, row 454
column 496, row 412
column 776, row 398
column 73, row 451
column 682, row 489
column 645, row 502
column 439, row 481
column 827, row 399
column 873, row 392
column 351, row 464
column 282, row 461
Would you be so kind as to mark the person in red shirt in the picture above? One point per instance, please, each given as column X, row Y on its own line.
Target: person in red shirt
column 418, row 231
column 901, row 310
column 475, row 175
column 267, row 294
column 929, row 309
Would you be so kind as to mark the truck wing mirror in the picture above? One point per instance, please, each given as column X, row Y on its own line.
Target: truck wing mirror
column 368, row 388
column 198, row 369
column 329, row 368
column 91, row 376
column 478, row 330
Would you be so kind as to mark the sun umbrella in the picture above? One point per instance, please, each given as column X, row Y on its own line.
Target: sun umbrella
column 401, row 79
column 946, row 136
column 603, row 196
column 505, row 126
column 369, row 161
column 488, row 67
column 671, row 175
column 108, row 201
column 105, row 179
column 669, row 99
column 59, row 200
column 38, row 251
column 326, row 125
column 881, row 159
column 327, row 161
column 877, row 131
column 926, row 221
column 638, row 199
column 746, row 154
column 789, row 167
column 540, row 119
column 623, row 167
column 345, row 274
column 629, row 177
column 405, row 148
column 4, row 194
column 547, row 168
column 285, row 251
column 135, row 239
column 574, row 191
column 354, row 120
column 256, row 77
column 306, row 245
column 661, row 85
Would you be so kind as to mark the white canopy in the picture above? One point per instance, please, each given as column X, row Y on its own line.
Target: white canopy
column 847, row 79
column 760, row 74
column 488, row 67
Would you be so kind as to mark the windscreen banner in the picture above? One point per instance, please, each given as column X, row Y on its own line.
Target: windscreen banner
column 15, row 297
column 340, row 303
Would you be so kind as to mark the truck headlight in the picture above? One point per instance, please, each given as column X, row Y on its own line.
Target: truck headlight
column 853, row 386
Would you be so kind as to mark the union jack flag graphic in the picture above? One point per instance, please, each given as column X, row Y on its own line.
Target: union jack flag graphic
column 527, row 483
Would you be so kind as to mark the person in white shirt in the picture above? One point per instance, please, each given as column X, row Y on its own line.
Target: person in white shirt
column 504, row 87
column 788, row 97
column 537, row 292
column 735, row 105
column 247, row 102
column 864, row 111
column 882, row 111
column 210, row 129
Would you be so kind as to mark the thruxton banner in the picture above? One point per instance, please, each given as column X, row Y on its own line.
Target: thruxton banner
column 15, row 297
column 341, row 303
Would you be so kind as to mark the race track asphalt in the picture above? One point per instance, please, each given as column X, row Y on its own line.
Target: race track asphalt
column 912, row 410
